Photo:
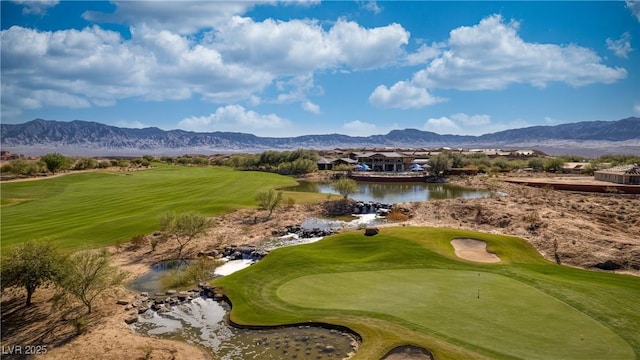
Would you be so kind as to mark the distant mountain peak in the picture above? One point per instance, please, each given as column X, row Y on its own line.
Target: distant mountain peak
column 92, row 137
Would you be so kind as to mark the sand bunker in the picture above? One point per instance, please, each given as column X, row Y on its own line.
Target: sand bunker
column 408, row 352
column 474, row 250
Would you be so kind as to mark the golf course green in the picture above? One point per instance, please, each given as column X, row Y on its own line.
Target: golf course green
column 406, row 286
column 94, row 209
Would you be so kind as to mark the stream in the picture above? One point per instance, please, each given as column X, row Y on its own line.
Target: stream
column 201, row 321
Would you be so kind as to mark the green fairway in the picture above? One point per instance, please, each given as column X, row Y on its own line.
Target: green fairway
column 100, row 208
column 406, row 286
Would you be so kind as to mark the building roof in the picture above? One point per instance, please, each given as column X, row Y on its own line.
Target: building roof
column 623, row 170
column 389, row 154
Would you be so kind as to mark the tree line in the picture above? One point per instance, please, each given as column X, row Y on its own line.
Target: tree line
column 54, row 163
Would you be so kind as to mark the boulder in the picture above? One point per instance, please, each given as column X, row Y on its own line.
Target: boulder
column 122, row 302
column 371, row 231
column 131, row 319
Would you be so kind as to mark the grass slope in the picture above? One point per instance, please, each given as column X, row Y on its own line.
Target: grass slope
column 406, row 286
column 99, row 208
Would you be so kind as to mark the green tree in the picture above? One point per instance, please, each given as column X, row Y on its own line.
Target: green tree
column 439, row 164
column 502, row 164
column 184, row 227
column 56, row 162
column 457, row 160
column 345, row 186
column 269, row 200
column 149, row 158
column 30, row 265
column 87, row 275
column 553, row 164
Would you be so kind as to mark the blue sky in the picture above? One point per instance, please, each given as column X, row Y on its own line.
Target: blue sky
column 286, row 68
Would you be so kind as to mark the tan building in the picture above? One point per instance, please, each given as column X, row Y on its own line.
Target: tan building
column 623, row 174
column 385, row 160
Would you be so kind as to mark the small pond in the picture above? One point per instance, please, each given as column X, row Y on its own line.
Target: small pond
column 392, row 193
column 201, row 322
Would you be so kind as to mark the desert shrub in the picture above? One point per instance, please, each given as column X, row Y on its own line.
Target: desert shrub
column 536, row 164
column 289, row 202
column 531, row 217
column 195, row 272
column 154, row 243
column 137, row 242
column 396, row 215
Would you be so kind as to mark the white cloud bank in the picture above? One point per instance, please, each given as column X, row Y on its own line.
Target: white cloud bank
column 237, row 119
column 464, row 124
column 361, row 128
column 402, row 95
column 235, row 59
column 491, row 56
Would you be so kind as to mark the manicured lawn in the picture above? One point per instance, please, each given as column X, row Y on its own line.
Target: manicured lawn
column 406, row 286
column 97, row 208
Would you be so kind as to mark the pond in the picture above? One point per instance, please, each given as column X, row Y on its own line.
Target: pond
column 201, row 322
column 392, row 193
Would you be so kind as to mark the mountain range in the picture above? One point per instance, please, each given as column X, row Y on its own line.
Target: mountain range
column 91, row 138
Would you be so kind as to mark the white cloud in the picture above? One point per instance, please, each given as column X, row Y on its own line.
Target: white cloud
column 130, row 124
column 491, row 56
column 424, row 54
column 36, row 7
column 464, row 124
column 472, row 120
column 237, row 60
column 106, row 68
column 183, row 17
column 311, row 107
column 294, row 47
column 620, row 47
column 634, row 6
column 361, row 48
column 402, row 95
column 371, row 5
column 235, row 118
column 360, row 128
column 443, row 125
column 636, row 108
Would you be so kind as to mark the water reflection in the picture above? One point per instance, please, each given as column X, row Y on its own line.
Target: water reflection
column 391, row 193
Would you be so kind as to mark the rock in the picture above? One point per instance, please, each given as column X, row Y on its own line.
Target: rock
column 144, row 294
column 142, row 310
column 122, row 302
column 329, row 349
column 171, row 292
column 131, row 319
column 371, row 231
